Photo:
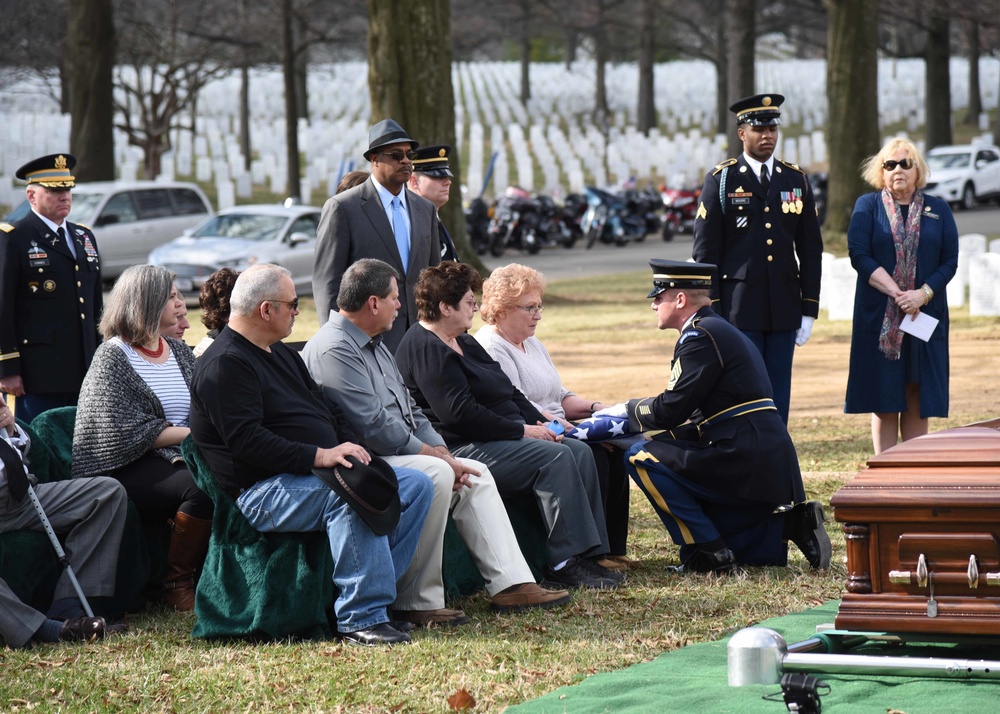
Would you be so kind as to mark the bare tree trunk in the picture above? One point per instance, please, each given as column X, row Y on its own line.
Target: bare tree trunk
column 409, row 71
column 646, row 110
column 525, row 42
column 245, row 112
column 301, row 77
column 938, row 83
column 851, row 85
column 723, row 117
column 741, row 32
column 91, row 31
column 600, row 61
column 572, row 40
column 294, row 187
column 975, row 96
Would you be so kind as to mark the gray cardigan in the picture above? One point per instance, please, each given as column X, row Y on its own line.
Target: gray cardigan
column 118, row 416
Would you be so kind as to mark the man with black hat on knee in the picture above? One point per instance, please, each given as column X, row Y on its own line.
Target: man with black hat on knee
column 723, row 475
column 431, row 179
column 378, row 219
column 50, row 293
column 757, row 223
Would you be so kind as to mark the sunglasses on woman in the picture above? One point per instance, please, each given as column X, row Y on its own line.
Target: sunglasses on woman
column 891, row 165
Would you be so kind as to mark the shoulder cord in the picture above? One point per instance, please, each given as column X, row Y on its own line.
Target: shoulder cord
column 722, row 190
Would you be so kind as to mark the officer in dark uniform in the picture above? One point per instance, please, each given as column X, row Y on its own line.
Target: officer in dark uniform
column 723, row 476
column 50, row 293
column 756, row 216
column 431, row 178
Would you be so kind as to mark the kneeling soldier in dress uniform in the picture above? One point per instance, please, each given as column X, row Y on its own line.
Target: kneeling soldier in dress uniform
column 723, row 475
column 50, row 293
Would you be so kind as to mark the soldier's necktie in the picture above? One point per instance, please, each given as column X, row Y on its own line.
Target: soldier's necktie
column 17, row 479
column 399, row 228
column 69, row 244
column 764, row 181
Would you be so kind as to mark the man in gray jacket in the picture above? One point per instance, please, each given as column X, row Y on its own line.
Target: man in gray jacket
column 349, row 360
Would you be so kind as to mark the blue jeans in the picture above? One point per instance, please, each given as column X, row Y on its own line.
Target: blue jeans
column 365, row 566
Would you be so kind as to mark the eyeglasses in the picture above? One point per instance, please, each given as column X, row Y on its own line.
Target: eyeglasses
column 891, row 165
column 294, row 304
column 398, row 156
column 471, row 303
column 531, row 309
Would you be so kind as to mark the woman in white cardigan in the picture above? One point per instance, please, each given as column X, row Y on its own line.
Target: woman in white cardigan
column 133, row 415
column 512, row 308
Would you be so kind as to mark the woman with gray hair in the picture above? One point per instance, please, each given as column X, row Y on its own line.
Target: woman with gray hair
column 133, row 415
column 904, row 246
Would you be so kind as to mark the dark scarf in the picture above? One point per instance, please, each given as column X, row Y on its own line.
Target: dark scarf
column 906, row 239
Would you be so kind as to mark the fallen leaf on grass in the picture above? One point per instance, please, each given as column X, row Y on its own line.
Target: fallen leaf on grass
column 461, row 700
column 47, row 663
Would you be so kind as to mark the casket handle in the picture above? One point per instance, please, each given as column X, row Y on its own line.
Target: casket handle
column 905, row 577
column 973, row 572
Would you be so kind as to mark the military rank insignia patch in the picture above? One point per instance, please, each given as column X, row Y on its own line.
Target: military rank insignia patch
column 742, row 221
column 675, row 374
column 702, row 213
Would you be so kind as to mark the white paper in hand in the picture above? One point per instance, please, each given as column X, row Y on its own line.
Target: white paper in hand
column 920, row 326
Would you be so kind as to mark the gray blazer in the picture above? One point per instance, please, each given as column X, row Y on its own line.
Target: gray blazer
column 354, row 226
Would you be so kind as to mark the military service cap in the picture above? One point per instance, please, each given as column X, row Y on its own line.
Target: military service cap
column 758, row 110
column 669, row 274
column 384, row 133
column 54, row 171
column 433, row 161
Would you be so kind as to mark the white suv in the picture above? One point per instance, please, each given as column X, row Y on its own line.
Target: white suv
column 131, row 218
column 964, row 175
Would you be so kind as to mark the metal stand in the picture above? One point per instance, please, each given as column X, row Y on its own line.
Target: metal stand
column 758, row 655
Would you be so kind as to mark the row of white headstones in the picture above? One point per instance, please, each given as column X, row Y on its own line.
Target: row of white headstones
column 553, row 144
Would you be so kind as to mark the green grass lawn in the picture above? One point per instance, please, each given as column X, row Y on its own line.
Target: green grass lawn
column 602, row 335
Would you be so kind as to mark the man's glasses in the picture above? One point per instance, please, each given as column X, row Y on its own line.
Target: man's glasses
column 531, row 309
column 398, row 156
column 294, row 304
column 891, row 165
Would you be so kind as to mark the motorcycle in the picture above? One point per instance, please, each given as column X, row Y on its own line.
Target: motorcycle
column 556, row 226
column 514, row 223
column 680, row 206
column 818, row 182
column 609, row 219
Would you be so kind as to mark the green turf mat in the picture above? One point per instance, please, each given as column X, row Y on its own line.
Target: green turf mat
column 695, row 679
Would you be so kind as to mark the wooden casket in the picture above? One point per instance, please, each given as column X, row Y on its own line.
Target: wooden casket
column 922, row 525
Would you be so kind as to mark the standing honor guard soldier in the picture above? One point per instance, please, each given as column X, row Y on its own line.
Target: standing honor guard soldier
column 431, row 178
column 50, row 293
column 756, row 216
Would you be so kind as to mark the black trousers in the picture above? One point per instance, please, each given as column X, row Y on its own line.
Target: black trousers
column 159, row 488
column 614, row 482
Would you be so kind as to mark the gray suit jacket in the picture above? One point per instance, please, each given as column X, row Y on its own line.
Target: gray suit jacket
column 354, row 226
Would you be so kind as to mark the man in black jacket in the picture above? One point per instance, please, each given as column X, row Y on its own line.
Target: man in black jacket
column 723, row 476
column 50, row 293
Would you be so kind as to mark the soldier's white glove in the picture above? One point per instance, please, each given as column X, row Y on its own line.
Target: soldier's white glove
column 802, row 334
column 616, row 410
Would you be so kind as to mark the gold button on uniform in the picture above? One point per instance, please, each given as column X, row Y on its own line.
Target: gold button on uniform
column 767, row 209
column 769, row 241
column 770, row 258
column 82, row 316
column 767, row 225
column 79, row 284
column 77, row 267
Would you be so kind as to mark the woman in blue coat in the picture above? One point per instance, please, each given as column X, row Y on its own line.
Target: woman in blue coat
column 904, row 246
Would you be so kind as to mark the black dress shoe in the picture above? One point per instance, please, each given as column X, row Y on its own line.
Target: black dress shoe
column 720, row 562
column 577, row 573
column 804, row 527
column 382, row 634
column 79, row 629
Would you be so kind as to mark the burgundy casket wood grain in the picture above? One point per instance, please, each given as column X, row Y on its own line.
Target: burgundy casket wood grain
column 925, row 515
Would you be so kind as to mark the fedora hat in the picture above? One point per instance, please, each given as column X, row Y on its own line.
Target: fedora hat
column 384, row 133
column 371, row 490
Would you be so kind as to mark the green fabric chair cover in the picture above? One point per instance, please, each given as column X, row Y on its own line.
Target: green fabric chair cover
column 255, row 585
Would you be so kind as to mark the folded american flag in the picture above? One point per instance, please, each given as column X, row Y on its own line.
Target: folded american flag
column 600, row 428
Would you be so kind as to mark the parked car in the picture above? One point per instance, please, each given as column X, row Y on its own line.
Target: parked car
column 964, row 175
column 131, row 218
column 240, row 237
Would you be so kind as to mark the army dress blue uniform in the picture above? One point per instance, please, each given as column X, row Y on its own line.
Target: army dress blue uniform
column 724, row 461
column 768, row 249
column 433, row 161
column 50, row 305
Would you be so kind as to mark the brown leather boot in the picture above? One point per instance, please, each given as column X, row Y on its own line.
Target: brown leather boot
column 188, row 545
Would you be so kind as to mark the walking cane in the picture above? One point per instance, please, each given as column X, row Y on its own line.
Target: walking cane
column 63, row 559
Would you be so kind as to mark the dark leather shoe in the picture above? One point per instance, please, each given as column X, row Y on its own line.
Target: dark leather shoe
column 578, row 573
column 720, row 562
column 382, row 634
column 82, row 629
column 441, row 617
column 526, row 596
column 804, row 527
